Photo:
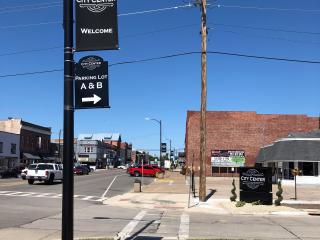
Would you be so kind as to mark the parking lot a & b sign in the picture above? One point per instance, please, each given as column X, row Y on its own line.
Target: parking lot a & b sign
column 91, row 83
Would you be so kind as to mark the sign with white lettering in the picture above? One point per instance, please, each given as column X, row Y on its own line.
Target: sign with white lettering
column 256, row 179
column 91, row 83
column 96, row 25
column 227, row 158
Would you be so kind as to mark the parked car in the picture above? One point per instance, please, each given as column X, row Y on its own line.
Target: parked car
column 81, row 170
column 25, row 170
column 10, row 172
column 146, row 170
column 87, row 167
column 122, row 167
column 47, row 172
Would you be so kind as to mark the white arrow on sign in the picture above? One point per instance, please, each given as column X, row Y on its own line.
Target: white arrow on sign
column 93, row 99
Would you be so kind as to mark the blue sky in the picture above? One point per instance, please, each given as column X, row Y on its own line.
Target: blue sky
column 167, row 89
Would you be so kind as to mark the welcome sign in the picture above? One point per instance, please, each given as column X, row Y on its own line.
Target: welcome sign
column 96, row 25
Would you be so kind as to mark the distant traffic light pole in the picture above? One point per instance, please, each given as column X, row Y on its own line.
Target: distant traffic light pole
column 158, row 121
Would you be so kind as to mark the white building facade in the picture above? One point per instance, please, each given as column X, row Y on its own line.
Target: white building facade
column 9, row 150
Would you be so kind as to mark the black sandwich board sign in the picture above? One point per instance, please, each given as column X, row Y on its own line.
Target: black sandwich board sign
column 96, row 25
column 91, row 83
column 256, row 184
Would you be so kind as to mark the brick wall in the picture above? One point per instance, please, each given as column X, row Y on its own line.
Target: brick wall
column 246, row 131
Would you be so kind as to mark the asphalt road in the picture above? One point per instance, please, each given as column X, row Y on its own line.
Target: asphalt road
column 21, row 203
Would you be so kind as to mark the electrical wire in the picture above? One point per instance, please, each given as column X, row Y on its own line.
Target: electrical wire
column 30, row 25
column 155, row 10
column 269, row 8
column 119, row 15
column 30, row 51
column 269, row 37
column 264, row 29
column 30, row 9
column 178, row 55
column 30, row 5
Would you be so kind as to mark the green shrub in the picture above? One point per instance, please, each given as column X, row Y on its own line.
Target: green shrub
column 277, row 202
column 240, row 203
column 257, row 202
column 233, row 192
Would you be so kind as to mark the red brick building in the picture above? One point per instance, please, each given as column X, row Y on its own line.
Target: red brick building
column 239, row 131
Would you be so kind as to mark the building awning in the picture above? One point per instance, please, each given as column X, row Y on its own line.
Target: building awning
column 304, row 150
column 31, row 156
column 51, row 159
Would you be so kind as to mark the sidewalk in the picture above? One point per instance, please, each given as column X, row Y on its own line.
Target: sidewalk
column 172, row 192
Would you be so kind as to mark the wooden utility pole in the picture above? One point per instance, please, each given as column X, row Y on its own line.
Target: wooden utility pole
column 202, row 184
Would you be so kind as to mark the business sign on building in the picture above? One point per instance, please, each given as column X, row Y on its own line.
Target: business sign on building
column 91, row 83
column 256, row 185
column 96, row 25
column 227, row 158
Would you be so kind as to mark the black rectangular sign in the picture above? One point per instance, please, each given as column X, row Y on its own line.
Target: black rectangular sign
column 96, row 25
column 163, row 147
column 256, row 179
column 91, row 83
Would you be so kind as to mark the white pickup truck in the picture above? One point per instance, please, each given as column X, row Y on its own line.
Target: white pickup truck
column 47, row 172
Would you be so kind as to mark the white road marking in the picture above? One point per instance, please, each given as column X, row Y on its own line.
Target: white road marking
column 49, row 195
column 126, row 231
column 87, row 198
column 170, row 183
column 184, row 226
column 105, row 192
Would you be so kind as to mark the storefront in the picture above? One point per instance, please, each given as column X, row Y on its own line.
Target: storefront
column 297, row 151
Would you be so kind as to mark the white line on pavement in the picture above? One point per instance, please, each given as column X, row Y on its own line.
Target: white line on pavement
column 105, row 193
column 184, row 226
column 126, row 231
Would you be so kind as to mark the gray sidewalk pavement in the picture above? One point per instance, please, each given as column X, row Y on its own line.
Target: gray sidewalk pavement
column 172, row 192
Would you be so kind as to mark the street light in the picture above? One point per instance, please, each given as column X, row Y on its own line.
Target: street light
column 158, row 121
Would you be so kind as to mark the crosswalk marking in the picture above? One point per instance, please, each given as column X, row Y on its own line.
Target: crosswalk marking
column 126, row 231
column 184, row 226
column 49, row 195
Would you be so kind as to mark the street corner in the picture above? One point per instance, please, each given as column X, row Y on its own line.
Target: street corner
column 148, row 201
column 252, row 209
column 226, row 207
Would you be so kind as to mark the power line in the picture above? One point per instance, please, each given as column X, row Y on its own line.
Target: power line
column 30, row 9
column 30, row 5
column 316, row 11
column 30, row 51
column 265, row 57
column 119, row 15
column 265, row 29
column 155, row 10
column 269, row 37
column 178, row 55
column 30, row 25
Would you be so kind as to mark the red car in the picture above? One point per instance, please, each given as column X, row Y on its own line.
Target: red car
column 147, row 170
column 80, row 170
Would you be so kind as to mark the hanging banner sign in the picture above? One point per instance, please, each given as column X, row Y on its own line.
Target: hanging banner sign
column 91, row 83
column 96, row 25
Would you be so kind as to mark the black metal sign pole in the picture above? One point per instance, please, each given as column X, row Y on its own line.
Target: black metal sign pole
column 68, row 123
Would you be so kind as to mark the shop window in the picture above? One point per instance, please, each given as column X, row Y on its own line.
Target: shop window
column 1, row 147
column 13, row 148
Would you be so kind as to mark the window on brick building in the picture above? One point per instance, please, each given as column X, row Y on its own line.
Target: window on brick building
column 13, row 148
